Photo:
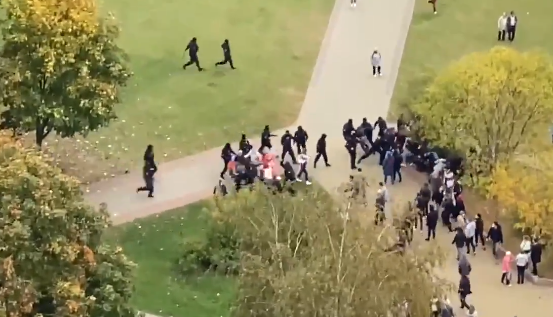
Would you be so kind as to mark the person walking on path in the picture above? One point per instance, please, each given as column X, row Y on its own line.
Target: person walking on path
column 376, row 60
column 495, row 234
column 535, row 255
column 303, row 159
column 502, row 27
column 321, row 151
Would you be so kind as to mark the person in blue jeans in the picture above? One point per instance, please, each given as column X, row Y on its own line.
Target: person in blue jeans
column 388, row 167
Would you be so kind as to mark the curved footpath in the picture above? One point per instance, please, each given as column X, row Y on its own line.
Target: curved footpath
column 341, row 87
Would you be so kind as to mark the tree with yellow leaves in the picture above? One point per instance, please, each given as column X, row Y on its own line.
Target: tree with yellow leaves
column 65, row 70
column 488, row 104
column 53, row 262
column 524, row 189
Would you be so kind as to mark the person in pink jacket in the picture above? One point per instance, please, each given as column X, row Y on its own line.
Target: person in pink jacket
column 506, row 268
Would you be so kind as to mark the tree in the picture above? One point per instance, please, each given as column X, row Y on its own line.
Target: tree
column 524, row 190
column 66, row 71
column 489, row 104
column 302, row 257
column 52, row 260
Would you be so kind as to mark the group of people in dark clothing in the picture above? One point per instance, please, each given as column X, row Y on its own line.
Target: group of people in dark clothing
column 249, row 164
column 193, row 48
column 388, row 145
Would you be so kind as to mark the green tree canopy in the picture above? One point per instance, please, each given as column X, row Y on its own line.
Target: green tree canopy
column 302, row 257
column 488, row 104
column 53, row 262
column 66, row 71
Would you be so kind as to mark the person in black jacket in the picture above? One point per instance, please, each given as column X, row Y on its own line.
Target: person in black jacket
column 535, row 255
column 300, row 137
column 193, row 50
column 226, row 155
column 148, row 175
column 244, row 145
column 432, row 222
column 367, row 129
column 226, row 55
column 351, row 146
column 459, row 241
column 464, row 291
column 321, row 151
column 286, row 141
column 398, row 161
column 347, row 129
column 479, row 233
column 447, row 212
column 495, row 234
column 266, row 139
column 382, row 126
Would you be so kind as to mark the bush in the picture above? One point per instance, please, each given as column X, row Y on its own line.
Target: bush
column 218, row 251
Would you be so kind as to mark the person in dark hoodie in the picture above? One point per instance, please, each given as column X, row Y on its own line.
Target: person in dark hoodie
column 464, row 266
column 244, row 145
column 226, row 55
column 226, row 154
column 193, row 50
column 535, row 255
column 287, row 141
column 479, row 235
column 300, row 137
column 459, row 241
column 448, row 211
column 464, row 291
column 321, row 151
column 382, row 126
column 398, row 161
column 367, row 129
column 495, row 234
column 266, row 136
column 432, row 222
column 347, row 129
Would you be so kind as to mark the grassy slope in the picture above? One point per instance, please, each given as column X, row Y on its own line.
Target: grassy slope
column 462, row 27
column 154, row 243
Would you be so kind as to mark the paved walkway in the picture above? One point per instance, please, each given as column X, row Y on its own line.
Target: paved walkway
column 341, row 87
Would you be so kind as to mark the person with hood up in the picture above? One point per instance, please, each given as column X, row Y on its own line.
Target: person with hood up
column 464, row 266
column 301, row 137
column 321, row 151
column 266, row 136
column 495, row 234
column 227, row 154
column 388, row 167
column 376, row 61
column 464, row 291
column 535, row 255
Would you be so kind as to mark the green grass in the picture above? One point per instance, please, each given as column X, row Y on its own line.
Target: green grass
column 155, row 243
column 462, row 27
column 274, row 46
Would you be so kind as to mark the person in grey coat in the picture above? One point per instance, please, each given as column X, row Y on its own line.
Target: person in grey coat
column 376, row 60
column 464, row 266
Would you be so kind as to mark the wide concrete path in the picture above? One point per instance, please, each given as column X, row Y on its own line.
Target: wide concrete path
column 342, row 87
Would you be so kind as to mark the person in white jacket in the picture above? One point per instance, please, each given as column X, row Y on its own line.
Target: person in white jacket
column 502, row 27
column 303, row 159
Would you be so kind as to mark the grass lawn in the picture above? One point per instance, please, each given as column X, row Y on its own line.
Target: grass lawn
column 154, row 243
column 462, row 27
column 274, row 46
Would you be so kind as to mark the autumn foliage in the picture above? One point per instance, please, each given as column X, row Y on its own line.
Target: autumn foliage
column 52, row 260
column 299, row 255
column 62, row 70
column 488, row 105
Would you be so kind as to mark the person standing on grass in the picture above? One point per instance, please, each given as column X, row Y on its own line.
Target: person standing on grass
column 433, row 2
column 193, row 50
column 512, row 23
column 376, row 61
column 502, row 27
column 227, row 58
column 470, row 232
